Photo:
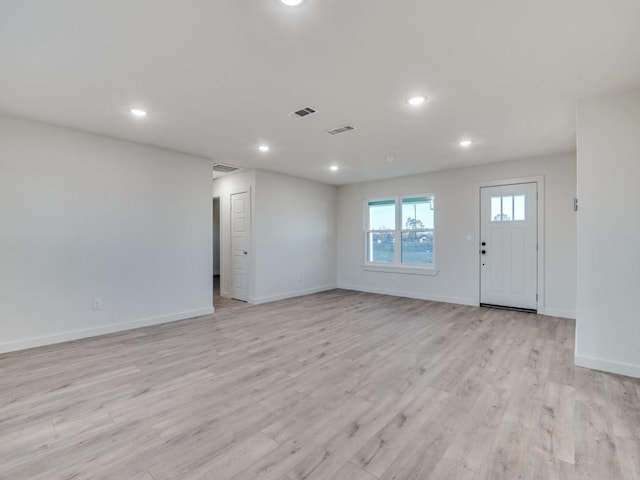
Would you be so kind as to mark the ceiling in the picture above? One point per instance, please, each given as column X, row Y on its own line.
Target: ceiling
column 218, row 77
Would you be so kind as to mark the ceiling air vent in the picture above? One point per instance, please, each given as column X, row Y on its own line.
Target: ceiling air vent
column 223, row 168
column 303, row 112
column 345, row 128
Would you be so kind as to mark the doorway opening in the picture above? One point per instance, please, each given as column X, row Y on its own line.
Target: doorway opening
column 216, row 249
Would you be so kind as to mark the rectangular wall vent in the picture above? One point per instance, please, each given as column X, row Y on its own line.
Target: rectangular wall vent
column 224, row 168
column 345, row 128
column 303, row 112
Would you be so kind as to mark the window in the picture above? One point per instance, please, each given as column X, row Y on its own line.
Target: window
column 381, row 231
column 507, row 208
column 399, row 231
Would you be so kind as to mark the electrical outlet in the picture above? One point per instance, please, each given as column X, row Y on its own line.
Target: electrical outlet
column 97, row 303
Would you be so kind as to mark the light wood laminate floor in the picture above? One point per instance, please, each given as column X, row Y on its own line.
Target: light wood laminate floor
column 338, row 385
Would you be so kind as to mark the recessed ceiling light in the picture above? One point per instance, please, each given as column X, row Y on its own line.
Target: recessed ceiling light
column 292, row 3
column 137, row 112
column 334, row 168
column 465, row 143
column 263, row 148
column 415, row 101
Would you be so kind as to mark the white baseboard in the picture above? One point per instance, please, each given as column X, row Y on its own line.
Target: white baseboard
column 93, row 332
column 552, row 312
column 296, row 293
column 418, row 296
column 611, row 366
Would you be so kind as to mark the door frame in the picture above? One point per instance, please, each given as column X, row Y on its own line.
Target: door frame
column 225, row 193
column 539, row 180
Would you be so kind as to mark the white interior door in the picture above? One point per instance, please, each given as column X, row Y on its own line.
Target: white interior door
column 508, row 246
column 240, row 242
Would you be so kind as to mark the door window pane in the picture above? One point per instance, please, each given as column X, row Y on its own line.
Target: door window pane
column 381, row 247
column 417, row 248
column 507, row 208
column 417, row 213
column 518, row 207
column 496, row 209
column 382, row 215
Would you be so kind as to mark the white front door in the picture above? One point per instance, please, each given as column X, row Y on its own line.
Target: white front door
column 508, row 246
column 240, row 242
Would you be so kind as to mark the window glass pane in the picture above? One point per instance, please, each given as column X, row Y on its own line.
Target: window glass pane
column 382, row 215
column 417, row 248
column 496, row 209
column 417, row 213
column 381, row 247
column 507, row 208
column 518, row 207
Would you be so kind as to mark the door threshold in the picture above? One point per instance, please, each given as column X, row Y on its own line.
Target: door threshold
column 506, row 307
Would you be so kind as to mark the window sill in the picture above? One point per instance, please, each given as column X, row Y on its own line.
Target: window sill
column 406, row 270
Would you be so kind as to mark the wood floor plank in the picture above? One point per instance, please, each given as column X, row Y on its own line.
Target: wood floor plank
column 629, row 457
column 473, row 443
column 448, row 470
column 507, row 459
column 540, row 465
column 227, row 464
column 389, row 442
column 422, row 454
column 596, row 450
column 327, row 458
column 337, row 385
column 349, row 471
column 624, row 405
column 554, row 431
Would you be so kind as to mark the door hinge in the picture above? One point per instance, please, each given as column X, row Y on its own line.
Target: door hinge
column 575, row 204
column 536, row 297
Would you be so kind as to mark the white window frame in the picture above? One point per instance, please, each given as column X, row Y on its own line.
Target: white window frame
column 397, row 266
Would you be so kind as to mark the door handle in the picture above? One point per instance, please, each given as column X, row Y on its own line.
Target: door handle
column 244, row 252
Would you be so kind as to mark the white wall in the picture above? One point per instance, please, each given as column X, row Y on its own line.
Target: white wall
column 456, row 200
column 295, row 235
column 224, row 187
column 608, row 323
column 84, row 216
